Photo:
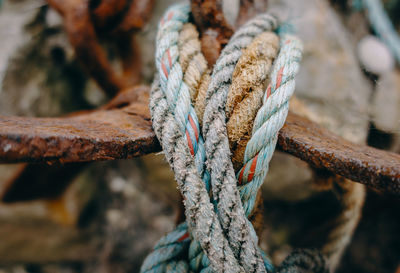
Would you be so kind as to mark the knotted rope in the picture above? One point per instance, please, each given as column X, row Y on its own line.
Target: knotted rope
column 226, row 237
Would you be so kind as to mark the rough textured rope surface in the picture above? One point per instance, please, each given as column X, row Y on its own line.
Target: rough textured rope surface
column 172, row 114
column 250, row 77
column 194, row 67
column 352, row 196
column 280, row 89
column 247, row 90
column 175, row 123
column 270, row 118
column 205, row 227
column 239, row 231
column 196, row 76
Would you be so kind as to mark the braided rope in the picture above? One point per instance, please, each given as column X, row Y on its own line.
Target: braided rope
column 227, row 238
column 196, row 76
column 303, row 260
column 246, row 92
column 352, row 197
column 176, row 91
column 250, row 77
column 270, row 119
column 194, row 67
column 203, row 222
column 241, row 236
column 173, row 117
column 255, row 63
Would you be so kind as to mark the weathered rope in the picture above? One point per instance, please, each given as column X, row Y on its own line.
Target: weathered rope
column 250, row 77
column 246, row 92
column 194, row 67
column 252, row 69
column 352, row 196
column 270, row 118
column 226, row 237
column 380, row 22
column 173, row 116
column 240, row 234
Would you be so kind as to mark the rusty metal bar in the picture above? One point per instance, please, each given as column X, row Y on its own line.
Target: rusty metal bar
column 126, row 132
column 118, row 19
column 122, row 129
column 100, row 135
column 324, row 150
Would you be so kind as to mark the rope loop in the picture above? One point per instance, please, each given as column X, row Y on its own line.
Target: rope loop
column 218, row 131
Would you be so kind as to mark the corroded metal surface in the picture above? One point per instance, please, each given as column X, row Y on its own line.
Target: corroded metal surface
column 325, row 150
column 126, row 132
column 215, row 30
column 100, row 135
column 117, row 20
column 122, row 128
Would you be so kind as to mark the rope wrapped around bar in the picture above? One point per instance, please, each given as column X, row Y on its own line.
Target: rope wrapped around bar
column 217, row 225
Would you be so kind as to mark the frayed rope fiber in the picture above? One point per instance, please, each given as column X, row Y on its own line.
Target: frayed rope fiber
column 217, row 236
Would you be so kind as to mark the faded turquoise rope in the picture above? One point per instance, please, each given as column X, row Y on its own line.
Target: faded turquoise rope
column 231, row 246
column 173, row 119
column 269, row 120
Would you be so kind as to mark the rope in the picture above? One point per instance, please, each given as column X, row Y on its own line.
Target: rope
column 222, row 232
column 197, row 77
column 194, row 67
column 382, row 26
column 175, row 122
column 255, row 63
column 352, row 196
column 246, row 92
column 237, row 228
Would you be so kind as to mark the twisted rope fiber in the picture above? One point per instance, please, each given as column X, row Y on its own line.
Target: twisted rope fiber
column 352, row 196
column 257, row 57
column 172, row 115
column 194, row 67
column 285, row 68
column 269, row 120
column 214, row 117
column 241, row 236
column 246, row 92
column 159, row 105
column 249, row 79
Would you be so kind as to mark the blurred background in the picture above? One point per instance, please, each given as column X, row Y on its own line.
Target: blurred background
column 106, row 216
